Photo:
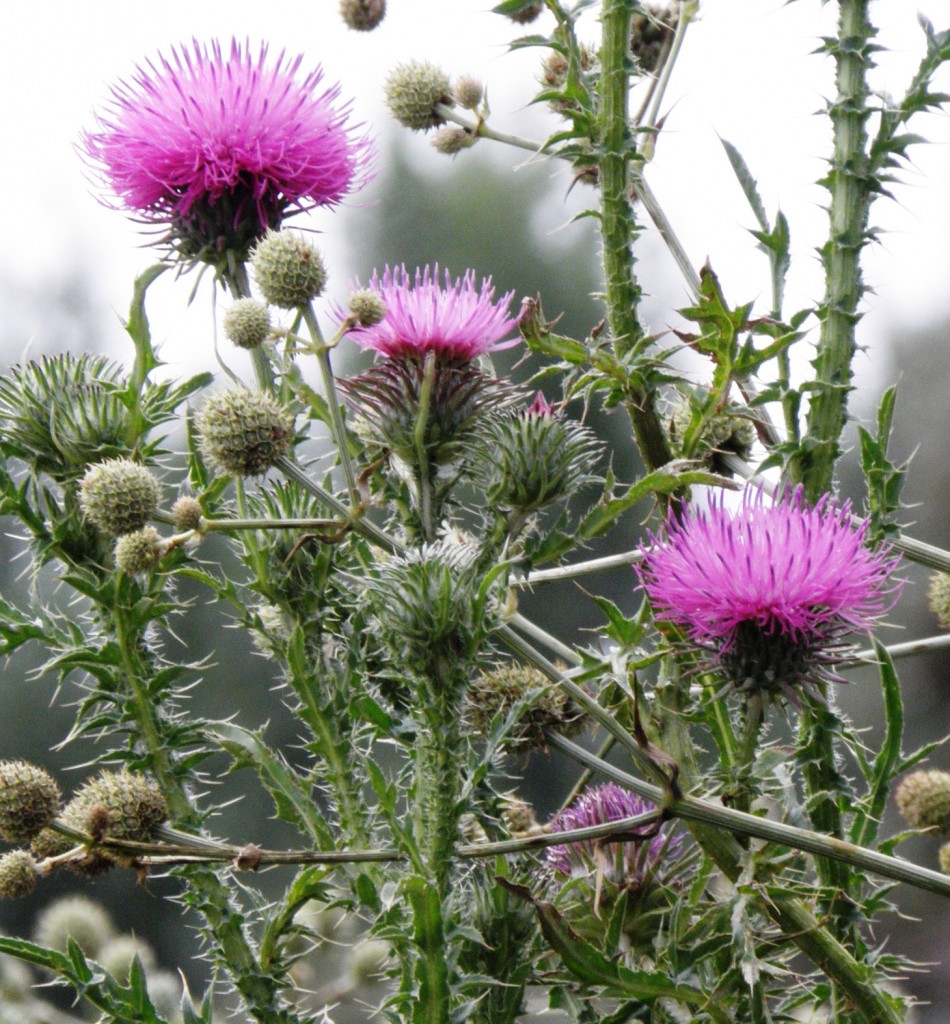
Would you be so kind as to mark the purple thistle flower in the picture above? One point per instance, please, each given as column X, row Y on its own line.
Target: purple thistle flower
column 631, row 864
column 219, row 146
column 458, row 321
column 769, row 588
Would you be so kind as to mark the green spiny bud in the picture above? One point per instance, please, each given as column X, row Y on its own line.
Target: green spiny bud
column 452, row 139
column 923, row 799
column 363, row 15
column 724, row 432
column 938, row 597
column 116, row 956
column 76, row 918
column 186, row 513
column 367, row 307
column 119, row 496
column 288, row 269
column 468, row 92
column 413, row 90
column 17, row 875
column 540, row 705
column 247, row 323
column 526, row 13
column 133, row 807
column 244, row 432
column 533, row 457
column 29, row 800
column 139, row 552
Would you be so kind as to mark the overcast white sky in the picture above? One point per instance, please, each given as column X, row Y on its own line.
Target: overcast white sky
column 747, row 73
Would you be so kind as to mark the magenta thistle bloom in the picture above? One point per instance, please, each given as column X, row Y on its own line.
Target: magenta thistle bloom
column 631, row 863
column 771, row 588
column 458, row 321
column 219, row 146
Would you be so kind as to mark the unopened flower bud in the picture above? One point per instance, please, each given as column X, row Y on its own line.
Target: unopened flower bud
column 139, row 551
column 363, row 15
column 368, row 961
column 938, row 598
column 945, row 858
column 118, row 496
column 247, row 323
column 244, row 432
column 723, row 433
column 540, row 704
column 367, row 307
column 923, row 799
column 413, row 91
column 186, row 513
column 519, row 816
column 288, row 269
column 650, row 33
column 134, row 806
column 76, row 918
column 29, row 800
column 468, row 92
column 17, row 875
column 452, row 139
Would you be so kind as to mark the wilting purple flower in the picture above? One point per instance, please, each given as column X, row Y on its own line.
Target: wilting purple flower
column 629, row 863
column 769, row 588
column 458, row 321
column 218, row 146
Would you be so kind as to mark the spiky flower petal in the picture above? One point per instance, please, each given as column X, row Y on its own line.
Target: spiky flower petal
column 631, row 864
column 218, row 144
column 458, row 321
column 770, row 588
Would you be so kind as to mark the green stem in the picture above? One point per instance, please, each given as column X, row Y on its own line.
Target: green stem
column 240, row 285
column 424, row 495
column 850, row 184
column 618, row 229
column 333, row 401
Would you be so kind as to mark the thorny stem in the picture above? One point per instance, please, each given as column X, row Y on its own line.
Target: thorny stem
column 333, row 401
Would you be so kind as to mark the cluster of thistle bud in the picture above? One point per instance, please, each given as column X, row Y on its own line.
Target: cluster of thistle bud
column 113, row 805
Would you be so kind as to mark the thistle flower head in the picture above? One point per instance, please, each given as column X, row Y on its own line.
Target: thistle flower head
column 289, row 270
column 217, row 144
column 631, row 864
column 923, row 799
column 118, row 495
column 362, row 15
column 247, row 323
column 17, row 875
column 244, row 432
column 139, row 551
column 78, row 918
column 414, row 90
column 29, row 800
column 459, row 321
column 770, row 588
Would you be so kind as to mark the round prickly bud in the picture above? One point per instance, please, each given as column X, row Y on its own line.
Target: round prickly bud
column 938, row 597
column 468, row 92
column 650, row 34
column 133, row 806
column 17, row 875
column 367, row 307
column 723, row 433
column 117, row 956
column 526, row 13
column 452, row 139
column 29, row 800
column 412, row 92
column 76, row 918
column 186, row 513
column 139, row 552
column 119, row 496
column 540, row 705
column 247, row 323
column 244, row 432
column 363, row 15
column 288, row 269
column 47, row 843
column 923, row 798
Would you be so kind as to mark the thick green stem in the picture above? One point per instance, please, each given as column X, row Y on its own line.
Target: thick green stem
column 851, row 187
column 237, row 280
column 618, row 228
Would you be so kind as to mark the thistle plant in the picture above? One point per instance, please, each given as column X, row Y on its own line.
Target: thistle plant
column 720, row 852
